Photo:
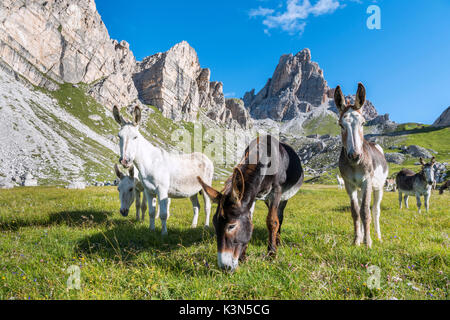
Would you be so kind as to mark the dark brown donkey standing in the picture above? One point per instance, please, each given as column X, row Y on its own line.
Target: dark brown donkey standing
column 362, row 165
column 269, row 171
column 416, row 184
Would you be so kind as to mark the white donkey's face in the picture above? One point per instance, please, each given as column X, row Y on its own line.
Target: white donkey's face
column 351, row 122
column 128, row 142
column 126, row 188
column 129, row 136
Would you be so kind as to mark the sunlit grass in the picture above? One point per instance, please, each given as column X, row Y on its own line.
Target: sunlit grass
column 44, row 230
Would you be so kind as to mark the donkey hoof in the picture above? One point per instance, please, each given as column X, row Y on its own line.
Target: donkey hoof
column 164, row 233
column 193, row 226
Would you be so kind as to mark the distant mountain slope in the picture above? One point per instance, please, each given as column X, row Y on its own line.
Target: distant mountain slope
column 444, row 119
column 50, row 43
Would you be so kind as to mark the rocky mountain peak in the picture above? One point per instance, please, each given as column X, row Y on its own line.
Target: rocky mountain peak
column 175, row 82
column 297, row 88
column 297, row 84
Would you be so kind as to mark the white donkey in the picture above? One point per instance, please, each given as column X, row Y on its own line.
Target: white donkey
column 163, row 175
column 130, row 189
column 362, row 165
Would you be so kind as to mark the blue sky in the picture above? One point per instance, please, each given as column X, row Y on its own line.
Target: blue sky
column 405, row 65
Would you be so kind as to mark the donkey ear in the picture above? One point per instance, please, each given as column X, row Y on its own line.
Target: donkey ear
column 131, row 171
column 119, row 173
column 238, row 184
column 421, row 161
column 360, row 96
column 433, row 160
column 117, row 115
column 137, row 115
column 212, row 193
column 339, row 99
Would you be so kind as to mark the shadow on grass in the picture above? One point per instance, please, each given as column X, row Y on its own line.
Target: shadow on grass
column 126, row 237
column 74, row 218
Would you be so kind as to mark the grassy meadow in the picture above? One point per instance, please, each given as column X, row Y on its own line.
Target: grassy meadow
column 45, row 230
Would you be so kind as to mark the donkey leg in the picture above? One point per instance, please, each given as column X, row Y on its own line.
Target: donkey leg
column 196, row 207
column 151, row 209
column 168, row 208
column 272, row 221
column 280, row 219
column 163, row 205
column 427, row 200
column 361, row 225
column 400, row 199
column 143, row 206
column 354, row 207
column 252, row 209
column 137, row 195
column 207, row 203
column 419, row 203
column 405, row 198
column 155, row 204
column 376, row 210
column 365, row 211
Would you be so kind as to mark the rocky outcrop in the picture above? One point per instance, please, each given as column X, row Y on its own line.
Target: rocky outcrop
column 296, row 86
column 418, row 152
column 50, row 42
column 444, row 119
column 239, row 113
column 394, row 157
column 56, row 41
column 175, row 82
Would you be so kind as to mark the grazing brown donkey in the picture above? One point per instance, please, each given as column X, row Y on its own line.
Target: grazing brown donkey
column 362, row 165
column 269, row 171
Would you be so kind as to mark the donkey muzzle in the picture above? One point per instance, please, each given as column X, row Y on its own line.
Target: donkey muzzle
column 124, row 162
column 352, row 155
column 124, row 212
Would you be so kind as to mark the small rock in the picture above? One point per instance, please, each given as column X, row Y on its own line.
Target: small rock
column 395, row 157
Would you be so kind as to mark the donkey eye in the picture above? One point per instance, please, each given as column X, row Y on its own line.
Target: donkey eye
column 131, row 189
column 135, row 138
column 231, row 227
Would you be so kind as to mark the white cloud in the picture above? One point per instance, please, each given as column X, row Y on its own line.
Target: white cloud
column 292, row 19
column 260, row 12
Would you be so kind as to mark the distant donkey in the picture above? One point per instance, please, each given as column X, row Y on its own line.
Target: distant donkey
column 130, row 189
column 362, row 165
column 163, row 174
column 340, row 182
column 444, row 186
column 419, row 184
